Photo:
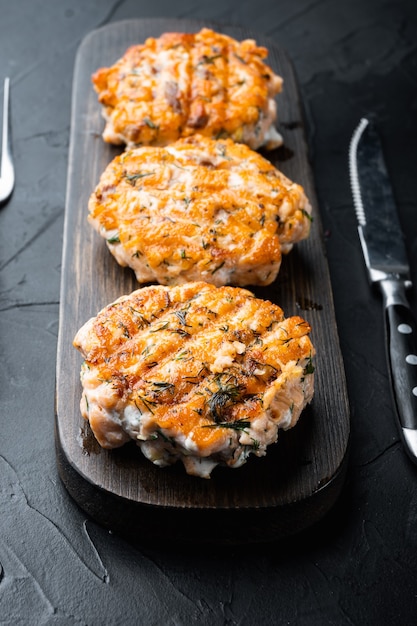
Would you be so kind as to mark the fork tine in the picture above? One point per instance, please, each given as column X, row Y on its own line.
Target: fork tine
column 6, row 166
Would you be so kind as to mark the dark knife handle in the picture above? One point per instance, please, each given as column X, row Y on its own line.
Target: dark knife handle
column 401, row 330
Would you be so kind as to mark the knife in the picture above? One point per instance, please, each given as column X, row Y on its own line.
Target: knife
column 383, row 247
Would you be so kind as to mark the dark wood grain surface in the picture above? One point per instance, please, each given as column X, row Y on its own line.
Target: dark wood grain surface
column 302, row 475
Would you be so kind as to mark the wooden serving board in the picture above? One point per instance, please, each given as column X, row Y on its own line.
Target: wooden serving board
column 301, row 476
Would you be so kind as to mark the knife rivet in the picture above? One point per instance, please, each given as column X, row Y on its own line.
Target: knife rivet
column 415, row 391
column 411, row 359
column 404, row 329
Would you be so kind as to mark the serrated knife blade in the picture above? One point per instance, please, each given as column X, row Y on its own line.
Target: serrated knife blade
column 385, row 256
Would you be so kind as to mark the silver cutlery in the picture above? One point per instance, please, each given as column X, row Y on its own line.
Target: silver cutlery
column 7, row 177
column 383, row 247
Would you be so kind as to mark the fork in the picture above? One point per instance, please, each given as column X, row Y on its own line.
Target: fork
column 6, row 164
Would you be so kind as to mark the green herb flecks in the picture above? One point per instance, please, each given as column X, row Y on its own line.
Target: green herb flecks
column 182, row 356
column 167, row 439
column 216, row 269
column 307, row 215
column 150, row 123
column 239, row 58
column 161, row 386
column 195, row 380
column 163, row 326
column 125, row 329
column 222, row 134
column 238, row 425
column 181, row 332
column 221, row 149
column 271, row 325
column 132, row 178
column 268, row 371
column 207, row 59
column 148, row 404
column 136, row 313
column 309, row 368
column 228, row 392
column 181, row 315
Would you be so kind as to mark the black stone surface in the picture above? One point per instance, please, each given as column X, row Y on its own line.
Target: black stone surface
column 359, row 565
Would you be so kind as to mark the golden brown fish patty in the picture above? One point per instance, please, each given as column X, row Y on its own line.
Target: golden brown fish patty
column 181, row 84
column 199, row 209
column 202, row 374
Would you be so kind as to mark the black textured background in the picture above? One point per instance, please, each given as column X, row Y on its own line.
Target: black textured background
column 359, row 565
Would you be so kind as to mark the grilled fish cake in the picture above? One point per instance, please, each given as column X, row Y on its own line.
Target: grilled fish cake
column 180, row 84
column 199, row 209
column 202, row 374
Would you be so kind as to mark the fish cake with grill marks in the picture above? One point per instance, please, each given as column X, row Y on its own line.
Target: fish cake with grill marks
column 202, row 374
column 180, row 84
column 199, row 209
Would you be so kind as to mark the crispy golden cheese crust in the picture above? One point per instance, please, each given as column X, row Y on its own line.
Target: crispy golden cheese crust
column 199, row 209
column 180, row 84
column 202, row 374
